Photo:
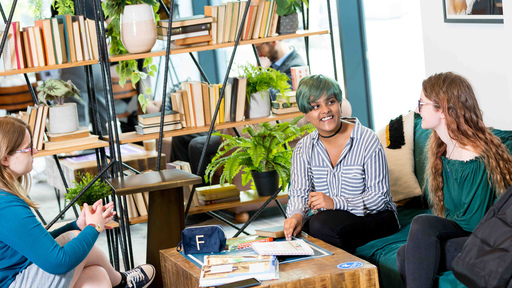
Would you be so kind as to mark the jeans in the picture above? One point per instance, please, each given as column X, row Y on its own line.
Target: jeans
column 432, row 244
column 348, row 231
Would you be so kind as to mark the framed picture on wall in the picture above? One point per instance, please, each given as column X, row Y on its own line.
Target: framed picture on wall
column 473, row 11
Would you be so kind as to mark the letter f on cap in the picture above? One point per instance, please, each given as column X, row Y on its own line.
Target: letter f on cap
column 197, row 241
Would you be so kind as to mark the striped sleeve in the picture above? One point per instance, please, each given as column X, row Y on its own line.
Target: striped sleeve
column 300, row 182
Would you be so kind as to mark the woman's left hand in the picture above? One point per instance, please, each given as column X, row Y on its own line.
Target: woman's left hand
column 80, row 222
column 319, row 200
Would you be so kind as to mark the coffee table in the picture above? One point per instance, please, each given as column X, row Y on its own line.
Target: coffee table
column 318, row 272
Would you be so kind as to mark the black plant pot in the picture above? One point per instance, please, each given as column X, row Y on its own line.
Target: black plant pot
column 266, row 182
column 288, row 24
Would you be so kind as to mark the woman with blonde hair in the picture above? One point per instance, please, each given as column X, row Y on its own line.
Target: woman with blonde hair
column 468, row 168
column 30, row 256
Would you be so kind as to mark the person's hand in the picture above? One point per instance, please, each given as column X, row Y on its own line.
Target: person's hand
column 292, row 226
column 80, row 222
column 265, row 62
column 319, row 200
column 100, row 216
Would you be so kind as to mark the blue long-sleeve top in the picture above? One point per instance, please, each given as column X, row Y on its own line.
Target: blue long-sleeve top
column 23, row 241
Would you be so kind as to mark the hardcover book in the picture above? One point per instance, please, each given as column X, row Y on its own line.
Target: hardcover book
column 156, row 128
column 154, row 118
column 274, row 232
column 186, row 21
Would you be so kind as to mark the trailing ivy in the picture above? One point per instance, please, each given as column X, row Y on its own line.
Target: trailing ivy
column 128, row 69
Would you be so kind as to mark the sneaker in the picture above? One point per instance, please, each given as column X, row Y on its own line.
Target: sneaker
column 140, row 276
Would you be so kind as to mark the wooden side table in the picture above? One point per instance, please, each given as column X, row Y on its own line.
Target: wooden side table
column 166, row 216
column 318, row 272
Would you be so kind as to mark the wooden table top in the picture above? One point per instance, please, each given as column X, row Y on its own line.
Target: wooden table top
column 316, row 272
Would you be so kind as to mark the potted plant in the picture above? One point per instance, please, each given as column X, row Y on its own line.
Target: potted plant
column 288, row 16
column 128, row 69
column 263, row 156
column 259, row 81
column 63, row 117
column 97, row 191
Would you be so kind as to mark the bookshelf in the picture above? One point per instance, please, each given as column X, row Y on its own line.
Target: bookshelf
column 131, row 137
column 98, row 144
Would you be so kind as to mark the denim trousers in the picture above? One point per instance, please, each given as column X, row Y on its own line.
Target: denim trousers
column 348, row 231
column 432, row 244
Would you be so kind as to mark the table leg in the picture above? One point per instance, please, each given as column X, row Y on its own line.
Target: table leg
column 166, row 220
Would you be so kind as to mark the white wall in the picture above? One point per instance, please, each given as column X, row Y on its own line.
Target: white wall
column 480, row 52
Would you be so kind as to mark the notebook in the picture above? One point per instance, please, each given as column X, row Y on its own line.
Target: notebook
column 294, row 247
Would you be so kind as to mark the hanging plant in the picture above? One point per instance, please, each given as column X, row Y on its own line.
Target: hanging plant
column 128, row 69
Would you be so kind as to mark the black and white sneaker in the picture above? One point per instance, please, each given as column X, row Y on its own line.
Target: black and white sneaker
column 140, row 276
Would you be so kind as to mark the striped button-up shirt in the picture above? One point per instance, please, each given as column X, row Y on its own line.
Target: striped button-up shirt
column 358, row 183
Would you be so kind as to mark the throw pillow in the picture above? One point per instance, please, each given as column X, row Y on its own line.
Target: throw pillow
column 398, row 141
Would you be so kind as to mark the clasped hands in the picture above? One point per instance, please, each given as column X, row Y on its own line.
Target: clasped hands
column 317, row 200
column 99, row 214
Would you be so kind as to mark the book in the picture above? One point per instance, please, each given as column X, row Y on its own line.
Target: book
column 293, row 247
column 298, row 73
column 6, row 54
column 93, row 36
column 227, row 102
column 32, row 111
column 39, row 43
column 218, row 201
column 43, row 119
column 259, row 15
column 212, row 11
column 46, row 30
column 56, row 40
column 32, row 46
column 193, row 40
column 244, row 242
column 251, row 20
column 83, row 37
column 285, row 110
column 154, row 118
column 77, row 41
column 234, row 21
column 215, row 188
column 140, row 204
column 156, row 128
column 189, row 101
column 82, row 132
column 71, row 143
column 177, row 105
column 206, row 104
column 187, row 189
column 37, row 125
column 240, row 98
column 26, row 48
column 197, row 100
column 12, row 44
column 186, row 21
column 67, row 25
column 236, row 269
column 221, row 13
column 274, row 232
column 185, row 29
column 241, row 25
column 228, row 22
column 219, row 195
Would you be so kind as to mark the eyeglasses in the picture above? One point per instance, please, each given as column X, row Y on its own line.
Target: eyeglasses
column 422, row 103
column 24, row 150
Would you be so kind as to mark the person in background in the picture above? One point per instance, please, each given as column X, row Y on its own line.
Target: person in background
column 468, row 167
column 278, row 55
column 30, row 256
column 339, row 173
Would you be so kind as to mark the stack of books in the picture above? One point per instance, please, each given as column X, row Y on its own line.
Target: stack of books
column 222, row 269
column 70, row 139
column 219, row 193
column 261, row 20
column 285, row 104
column 187, row 31
column 150, row 123
column 57, row 40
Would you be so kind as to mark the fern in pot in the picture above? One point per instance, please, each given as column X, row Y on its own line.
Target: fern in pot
column 262, row 156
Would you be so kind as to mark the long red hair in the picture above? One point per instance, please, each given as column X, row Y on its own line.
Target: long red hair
column 455, row 97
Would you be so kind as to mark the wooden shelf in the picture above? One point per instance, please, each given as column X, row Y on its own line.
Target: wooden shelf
column 298, row 34
column 132, row 137
column 98, row 144
column 48, row 67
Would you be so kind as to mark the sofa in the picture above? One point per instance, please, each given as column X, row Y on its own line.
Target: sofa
column 382, row 252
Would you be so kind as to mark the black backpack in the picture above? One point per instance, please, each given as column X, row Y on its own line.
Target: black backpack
column 486, row 258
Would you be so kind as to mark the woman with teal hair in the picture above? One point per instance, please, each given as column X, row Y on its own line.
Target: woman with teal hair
column 339, row 190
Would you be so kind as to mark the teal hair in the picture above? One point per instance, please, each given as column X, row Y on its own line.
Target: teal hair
column 313, row 87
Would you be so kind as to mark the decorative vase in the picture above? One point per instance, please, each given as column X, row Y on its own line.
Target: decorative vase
column 266, row 183
column 288, row 24
column 259, row 105
column 63, row 118
column 138, row 28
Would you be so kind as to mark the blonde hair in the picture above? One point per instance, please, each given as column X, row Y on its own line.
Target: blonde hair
column 456, row 99
column 12, row 134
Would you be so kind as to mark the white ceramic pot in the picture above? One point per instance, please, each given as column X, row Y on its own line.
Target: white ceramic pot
column 63, row 118
column 138, row 28
column 259, row 105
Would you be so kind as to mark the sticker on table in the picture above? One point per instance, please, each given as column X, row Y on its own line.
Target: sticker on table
column 350, row 265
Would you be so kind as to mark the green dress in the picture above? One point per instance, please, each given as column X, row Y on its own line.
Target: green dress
column 467, row 191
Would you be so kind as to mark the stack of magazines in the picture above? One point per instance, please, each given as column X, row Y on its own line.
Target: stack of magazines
column 222, row 269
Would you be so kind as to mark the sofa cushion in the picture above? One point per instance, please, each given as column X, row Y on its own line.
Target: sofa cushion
column 398, row 141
